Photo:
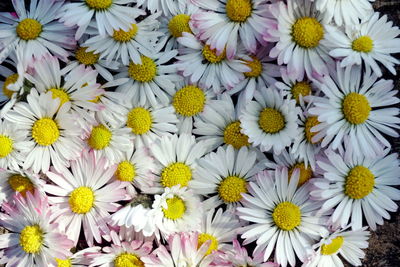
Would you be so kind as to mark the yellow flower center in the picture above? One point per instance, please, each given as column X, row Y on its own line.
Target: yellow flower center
column 300, row 88
column 175, row 208
column 61, row 94
column 211, row 56
column 233, row 136
column 45, row 131
column 9, row 80
column 238, row 10
column 144, row 72
column 20, row 184
column 100, row 137
column 363, row 44
column 307, row 32
column 29, row 29
column 31, row 239
column 63, row 263
column 231, row 188
column 286, row 216
column 305, row 173
column 139, row 120
column 6, row 146
column 99, row 4
column 310, row 122
column 255, row 66
column 333, row 247
column 126, row 171
column 123, row 36
column 271, row 120
column 176, row 173
column 203, row 238
column 356, row 108
column 359, row 182
column 179, row 24
column 86, row 58
column 128, row 260
column 189, row 101
column 81, row 200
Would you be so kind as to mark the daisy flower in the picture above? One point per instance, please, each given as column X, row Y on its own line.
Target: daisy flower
column 82, row 196
column 127, row 45
column 355, row 105
column 109, row 15
column 177, row 210
column 301, row 34
column 219, row 124
column 202, row 65
column 37, row 32
column 225, row 175
column 370, row 42
column 14, row 77
column 79, row 259
column 270, row 121
column 33, row 239
column 346, row 243
column 53, row 135
column 283, row 215
column 357, row 187
column 229, row 22
column 166, row 6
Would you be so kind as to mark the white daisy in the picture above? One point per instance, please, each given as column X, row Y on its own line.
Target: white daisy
column 270, row 121
column 14, row 77
column 356, row 185
column 370, row 42
column 355, row 106
column 52, row 131
column 283, row 215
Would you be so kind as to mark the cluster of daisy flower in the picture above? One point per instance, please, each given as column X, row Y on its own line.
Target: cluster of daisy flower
column 183, row 133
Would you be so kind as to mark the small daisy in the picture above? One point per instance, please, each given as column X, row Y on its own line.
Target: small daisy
column 229, row 22
column 370, row 42
column 270, row 121
column 14, row 77
column 53, row 135
column 177, row 210
column 283, row 215
column 225, row 175
column 348, row 244
column 33, row 239
column 82, row 197
column 356, row 186
column 203, row 66
column 301, row 34
column 355, row 106
column 109, row 15
column 37, row 32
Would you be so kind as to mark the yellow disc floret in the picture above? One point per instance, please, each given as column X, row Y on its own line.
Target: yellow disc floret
column 238, row 10
column 307, row 32
column 29, row 29
column 86, row 58
column 305, row 173
column 359, row 182
column 286, row 216
column 211, row 56
column 128, row 260
column 63, row 263
column 144, row 72
column 310, row 123
column 100, row 137
column 233, row 136
column 333, row 247
column 81, row 200
column 99, row 4
column 175, row 208
column 231, row 188
column 125, row 171
column 271, row 120
column 300, row 88
column 6, row 146
column 176, row 173
column 139, row 120
column 203, row 238
column 61, row 94
column 356, row 108
column 363, row 44
column 20, row 184
column 123, row 36
column 9, row 80
column 179, row 24
column 45, row 131
column 255, row 66
column 189, row 101
column 31, row 239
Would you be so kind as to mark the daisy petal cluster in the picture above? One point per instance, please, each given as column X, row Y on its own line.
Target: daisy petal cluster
column 223, row 133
